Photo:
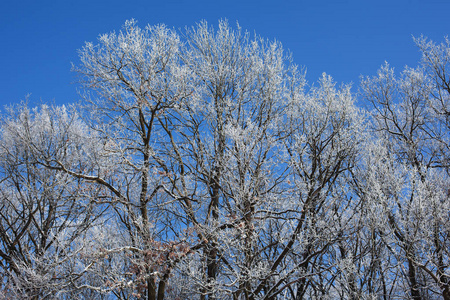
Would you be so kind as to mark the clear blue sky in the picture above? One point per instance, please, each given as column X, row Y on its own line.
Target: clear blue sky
column 344, row 38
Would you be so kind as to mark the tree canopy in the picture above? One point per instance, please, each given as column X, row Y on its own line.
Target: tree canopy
column 202, row 165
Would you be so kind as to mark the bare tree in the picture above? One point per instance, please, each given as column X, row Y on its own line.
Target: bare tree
column 136, row 78
column 225, row 146
column 45, row 214
column 410, row 118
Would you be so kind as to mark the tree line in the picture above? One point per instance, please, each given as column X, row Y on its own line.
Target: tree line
column 202, row 165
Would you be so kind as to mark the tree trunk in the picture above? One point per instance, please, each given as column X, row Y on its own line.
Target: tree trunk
column 414, row 286
column 151, row 289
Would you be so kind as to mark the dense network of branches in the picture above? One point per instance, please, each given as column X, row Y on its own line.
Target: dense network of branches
column 203, row 166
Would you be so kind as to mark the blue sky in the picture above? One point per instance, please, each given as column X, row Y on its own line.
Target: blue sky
column 344, row 38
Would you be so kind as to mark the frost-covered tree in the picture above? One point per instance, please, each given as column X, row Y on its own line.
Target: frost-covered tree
column 133, row 80
column 408, row 183
column 323, row 140
column 228, row 143
column 45, row 214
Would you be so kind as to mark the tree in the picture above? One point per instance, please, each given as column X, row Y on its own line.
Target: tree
column 137, row 79
column 227, row 143
column 410, row 119
column 322, row 144
column 45, row 214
